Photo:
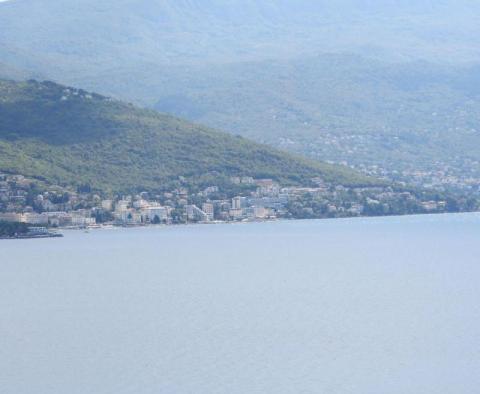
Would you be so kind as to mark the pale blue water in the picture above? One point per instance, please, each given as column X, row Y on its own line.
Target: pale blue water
column 388, row 305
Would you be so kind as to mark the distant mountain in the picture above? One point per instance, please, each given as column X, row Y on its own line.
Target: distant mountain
column 70, row 137
column 70, row 38
column 414, row 116
column 336, row 107
column 9, row 72
column 398, row 88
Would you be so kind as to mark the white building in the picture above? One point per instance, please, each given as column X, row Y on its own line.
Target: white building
column 430, row 206
column 154, row 214
column 256, row 212
column 122, row 205
column 259, row 212
column 237, row 213
column 12, row 217
column 37, row 218
column 82, row 221
column 247, row 180
column 239, row 202
column 141, row 204
column 129, row 216
column 267, row 187
column 107, row 205
column 209, row 210
column 196, row 214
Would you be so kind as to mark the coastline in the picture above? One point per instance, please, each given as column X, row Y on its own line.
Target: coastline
column 26, row 236
column 58, row 235
column 110, row 226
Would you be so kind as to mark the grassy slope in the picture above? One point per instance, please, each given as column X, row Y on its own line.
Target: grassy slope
column 70, row 137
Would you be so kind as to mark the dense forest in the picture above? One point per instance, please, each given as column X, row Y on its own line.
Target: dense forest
column 70, row 137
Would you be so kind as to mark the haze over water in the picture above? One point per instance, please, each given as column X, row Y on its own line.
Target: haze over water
column 387, row 305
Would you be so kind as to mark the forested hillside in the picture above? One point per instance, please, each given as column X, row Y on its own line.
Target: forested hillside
column 339, row 108
column 71, row 137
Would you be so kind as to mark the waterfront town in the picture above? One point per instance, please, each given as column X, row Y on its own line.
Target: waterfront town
column 26, row 200
column 460, row 174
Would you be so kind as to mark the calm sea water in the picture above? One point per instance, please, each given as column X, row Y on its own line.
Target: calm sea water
column 388, row 305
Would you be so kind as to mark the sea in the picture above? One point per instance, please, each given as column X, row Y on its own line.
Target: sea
column 364, row 306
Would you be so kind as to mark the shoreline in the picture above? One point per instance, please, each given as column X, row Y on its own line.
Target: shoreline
column 191, row 224
column 61, row 230
column 54, row 235
column 31, row 236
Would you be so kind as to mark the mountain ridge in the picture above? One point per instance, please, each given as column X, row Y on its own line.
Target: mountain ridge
column 69, row 37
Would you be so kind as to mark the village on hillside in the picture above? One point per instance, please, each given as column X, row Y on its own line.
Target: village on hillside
column 263, row 199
